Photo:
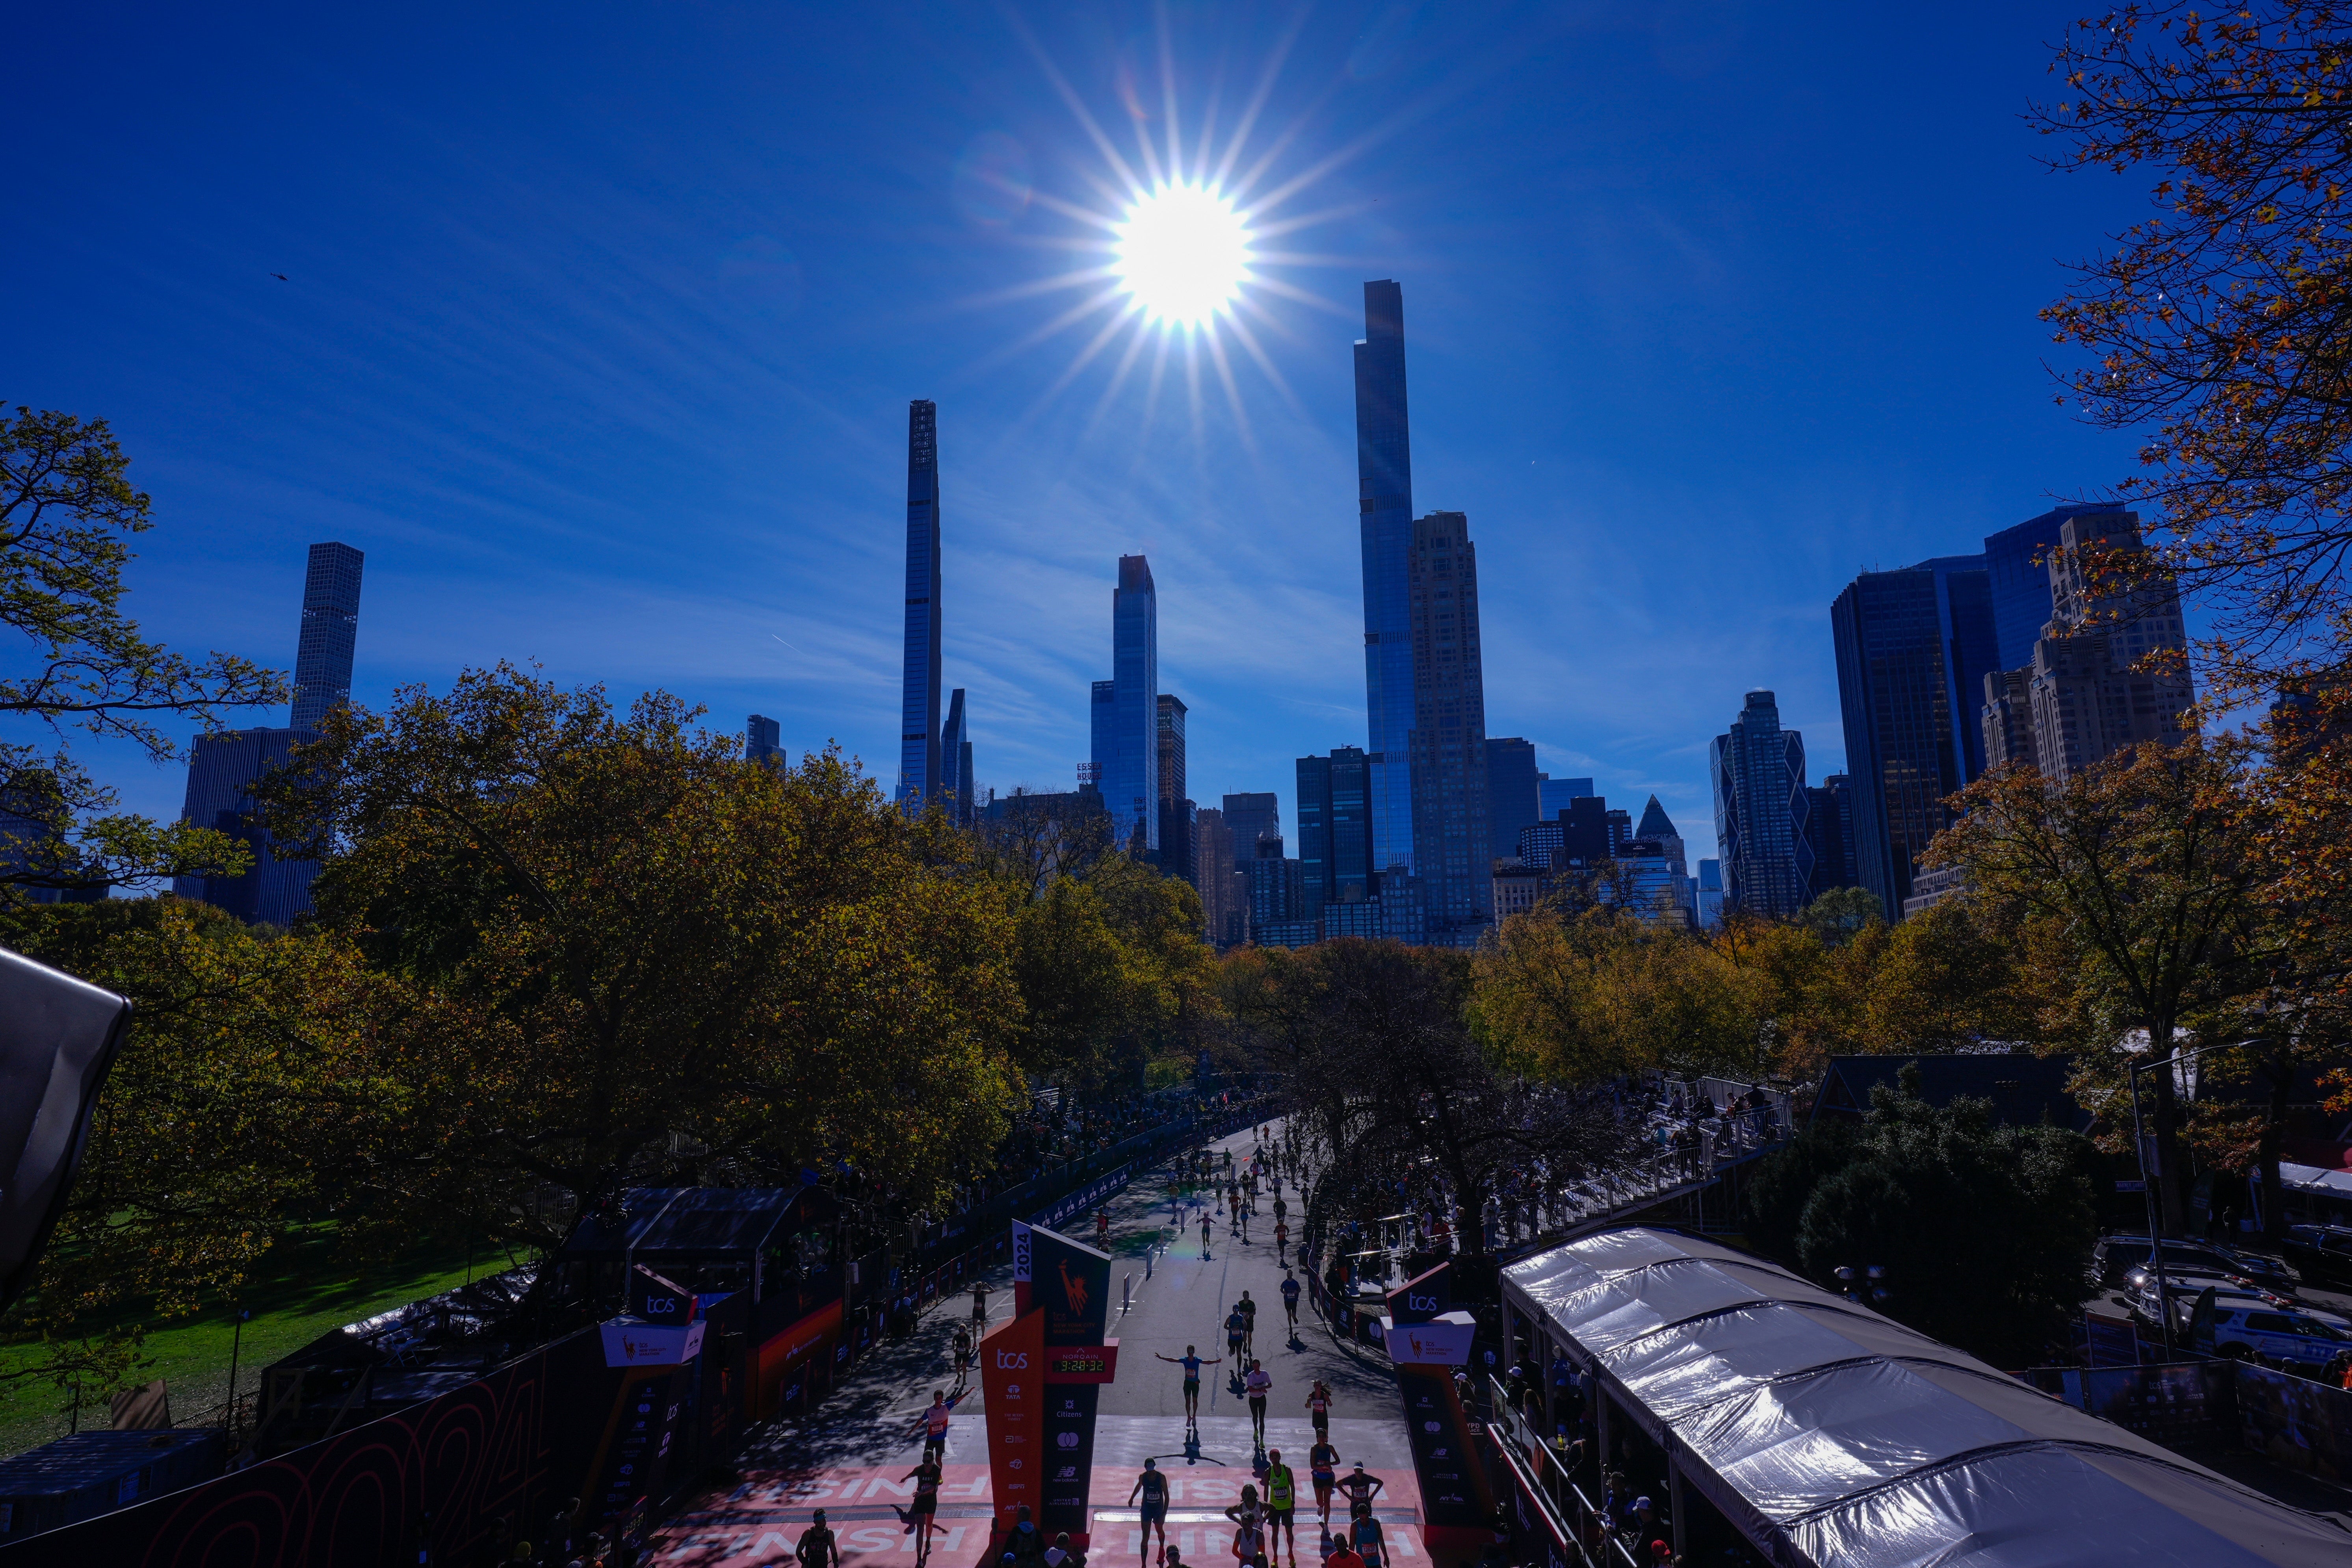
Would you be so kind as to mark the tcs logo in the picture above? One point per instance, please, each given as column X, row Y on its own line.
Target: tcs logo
column 1421, row 1303
column 1011, row 1361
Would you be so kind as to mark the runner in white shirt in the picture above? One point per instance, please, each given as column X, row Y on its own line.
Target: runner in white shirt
column 1258, row 1386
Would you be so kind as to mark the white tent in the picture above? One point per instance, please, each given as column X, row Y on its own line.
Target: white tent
column 1833, row 1435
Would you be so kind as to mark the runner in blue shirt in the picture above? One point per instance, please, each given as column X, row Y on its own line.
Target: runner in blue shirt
column 1153, row 1487
column 1192, row 1363
column 1290, row 1305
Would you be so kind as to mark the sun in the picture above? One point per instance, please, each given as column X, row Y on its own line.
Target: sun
column 1181, row 254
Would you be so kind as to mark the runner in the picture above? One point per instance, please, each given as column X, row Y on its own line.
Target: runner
column 1322, row 1467
column 1249, row 1309
column 1249, row 1536
column 1192, row 1363
column 1237, row 1327
column 1258, row 1386
column 1204, row 1237
column 1282, row 1242
column 923, row 1516
column 1290, row 1298
column 1318, row 1406
column 1153, row 1487
column 817, row 1548
column 1360, row 1489
column 1102, row 1229
column 1241, row 1218
column 1372, row 1541
column 1281, row 1501
column 978, row 1308
column 933, row 1424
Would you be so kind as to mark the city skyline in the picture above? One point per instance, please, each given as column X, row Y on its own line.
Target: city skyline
column 685, row 494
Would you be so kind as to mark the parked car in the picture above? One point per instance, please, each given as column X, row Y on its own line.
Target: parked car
column 2115, row 1256
column 2321, row 1252
column 2255, row 1328
column 2184, row 1287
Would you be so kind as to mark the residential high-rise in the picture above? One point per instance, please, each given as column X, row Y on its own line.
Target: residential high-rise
column 2083, row 695
column 330, row 636
column 1176, row 848
column 762, row 740
column 1276, row 890
column 918, row 707
column 1513, row 800
column 1250, row 816
column 1758, row 771
column 1127, row 710
column 1224, row 887
column 955, row 762
column 1335, row 829
column 1384, row 506
column 1552, row 795
column 1913, row 649
column 1453, row 844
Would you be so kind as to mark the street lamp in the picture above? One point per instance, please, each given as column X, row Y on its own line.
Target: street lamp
column 2148, row 1189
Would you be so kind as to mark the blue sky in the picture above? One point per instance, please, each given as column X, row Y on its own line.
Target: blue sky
column 600, row 321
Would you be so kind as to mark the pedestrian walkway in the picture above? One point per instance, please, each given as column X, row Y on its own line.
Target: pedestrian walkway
column 851, row 1457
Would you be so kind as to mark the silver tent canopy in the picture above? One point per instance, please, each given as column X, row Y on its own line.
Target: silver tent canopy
column 1833, row 1435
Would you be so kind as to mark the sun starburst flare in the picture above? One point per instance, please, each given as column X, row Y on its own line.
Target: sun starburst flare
column 1182, row 254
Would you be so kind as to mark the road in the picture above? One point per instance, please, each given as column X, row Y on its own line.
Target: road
column 850, row 1456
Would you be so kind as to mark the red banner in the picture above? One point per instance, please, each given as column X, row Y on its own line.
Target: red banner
column 1012, row 1391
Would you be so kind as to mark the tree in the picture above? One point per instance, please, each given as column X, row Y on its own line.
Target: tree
column 65, row 510
column 2143, row 868
column 220, row 1124
column 611, row 939
column 1984, row 1232
column 2224, row 319
column 1842, row 912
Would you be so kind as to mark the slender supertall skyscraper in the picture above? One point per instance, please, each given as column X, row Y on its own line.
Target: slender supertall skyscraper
column 330, row 628
column 1384, row 500
column 1126, row 728
column 919, row 727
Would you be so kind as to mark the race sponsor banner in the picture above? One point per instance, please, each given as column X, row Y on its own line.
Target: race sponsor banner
column 1069, row 1476
column 651, row 1344
column 1431, row 1344
column 1457, row 1502
column 1424, row 1298
column 1070, row 1282
column 1012, row 1390
column 634, row 1458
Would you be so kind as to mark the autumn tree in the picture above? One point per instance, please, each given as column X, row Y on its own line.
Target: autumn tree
column 2143, row 867
column 2221, row 323
column 65, row 511
column 619, row 947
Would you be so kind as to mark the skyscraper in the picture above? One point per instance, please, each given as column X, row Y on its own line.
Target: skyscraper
column 1250, row 816
column 955, row 762
column 1829, row 821
column 1552, row 795
column 1125, row 723
column 1335, row 829
column 761, row 741
column 1453, row 843
column 2082, row 697
column 1385, row 504
column 330, row 636
column 1224, row 908
column 2017, row 563
column 1177, row 855
column 1759, row 809
column 1913, row 649
column 918, row 727
column 224, row 767
column 1512, row 796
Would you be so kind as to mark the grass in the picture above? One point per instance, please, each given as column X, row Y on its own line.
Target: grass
column 302, row 1291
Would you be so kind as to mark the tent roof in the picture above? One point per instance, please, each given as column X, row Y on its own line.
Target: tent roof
column 2315, row 1178
column 1832, row 1435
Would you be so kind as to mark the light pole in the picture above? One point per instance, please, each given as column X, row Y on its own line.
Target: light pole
column 236, row 1343
column 2148, row 1188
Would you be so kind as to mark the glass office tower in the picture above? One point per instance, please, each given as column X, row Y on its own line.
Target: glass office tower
column 1384, row 502
column 918, row 709
column 1178, row 855
column 1760, row 810
column 955, row 762
column 330, row 636
column 762, row 740
column 1913, row 649
column 1453, row 842
column 1512, row 798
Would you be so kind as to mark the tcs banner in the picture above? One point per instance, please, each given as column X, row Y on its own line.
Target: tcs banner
column 1013, row 1392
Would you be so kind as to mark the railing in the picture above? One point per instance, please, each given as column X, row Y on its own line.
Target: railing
column 1574, row 1514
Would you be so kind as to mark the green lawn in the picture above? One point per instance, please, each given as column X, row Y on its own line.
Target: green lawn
column 303, row 1291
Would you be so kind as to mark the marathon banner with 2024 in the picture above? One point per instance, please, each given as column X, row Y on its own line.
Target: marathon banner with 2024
column 1069, row 1295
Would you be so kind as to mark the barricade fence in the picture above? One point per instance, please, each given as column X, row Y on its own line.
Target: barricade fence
column 2218, row 1402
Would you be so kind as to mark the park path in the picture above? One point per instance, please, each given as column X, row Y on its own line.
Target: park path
column 850, row 1456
